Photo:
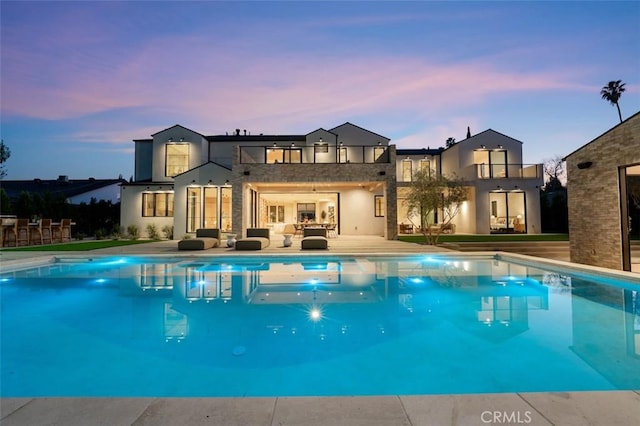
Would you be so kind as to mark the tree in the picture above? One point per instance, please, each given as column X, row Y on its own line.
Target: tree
column 554, row 173
column 554, row 209
column 612, row 92
column 5, row 153
column 432, row 196
column 450, row 142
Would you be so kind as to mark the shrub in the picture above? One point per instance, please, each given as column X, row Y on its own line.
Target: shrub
column 133, row 232
column 167, row 230
column 116, row 233
column 152, row 232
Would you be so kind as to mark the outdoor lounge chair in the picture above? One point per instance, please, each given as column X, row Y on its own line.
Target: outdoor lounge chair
column 257, row 239
column 206, row 238
column 315, row 238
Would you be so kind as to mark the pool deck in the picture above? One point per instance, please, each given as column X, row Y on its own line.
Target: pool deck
column 545, row 408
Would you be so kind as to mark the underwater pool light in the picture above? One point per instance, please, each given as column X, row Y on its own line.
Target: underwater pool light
column 315, row 314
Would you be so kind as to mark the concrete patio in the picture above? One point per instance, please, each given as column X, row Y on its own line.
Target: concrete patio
column 563, row 409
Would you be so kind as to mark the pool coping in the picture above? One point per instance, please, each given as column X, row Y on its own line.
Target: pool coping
column 632, row 277
column 545, row 408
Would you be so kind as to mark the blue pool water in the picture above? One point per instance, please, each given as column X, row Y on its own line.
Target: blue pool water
column 326, row 326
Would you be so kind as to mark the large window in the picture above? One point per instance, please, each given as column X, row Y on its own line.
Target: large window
column 177, row 160
column 225, row 208
column 425, row 164
column 407, row 172
column 379, row 205
column 276, row 214
column 306, row 212
column 210, row 207
column 193, row 208
column 498, row 161
column 157, row 204
column 342, row 154
column 379, row 154
column 508, row 212
column 491, row 163
column 284, row 155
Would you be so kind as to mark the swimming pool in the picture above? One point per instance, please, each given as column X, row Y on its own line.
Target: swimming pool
column 325, row 325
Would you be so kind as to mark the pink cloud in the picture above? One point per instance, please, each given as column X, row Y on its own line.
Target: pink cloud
column 218, row 85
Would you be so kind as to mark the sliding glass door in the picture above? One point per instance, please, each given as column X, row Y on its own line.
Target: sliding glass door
column 508, row 212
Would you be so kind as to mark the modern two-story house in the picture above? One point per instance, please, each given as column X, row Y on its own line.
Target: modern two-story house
column 347, row 175
column 504, row 193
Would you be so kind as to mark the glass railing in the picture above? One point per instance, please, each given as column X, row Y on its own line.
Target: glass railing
column 318, row 154
column 508, row 171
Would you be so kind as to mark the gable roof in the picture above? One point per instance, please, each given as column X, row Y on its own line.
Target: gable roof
column 492, row 131
column 633, row 117
column 202, row 165
column 320, row 129
column 181, row 127
column 360, row 128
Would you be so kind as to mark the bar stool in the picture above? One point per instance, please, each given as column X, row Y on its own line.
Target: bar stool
column 35, row 234
column 45, row 231
column 22, row 232
column 65, row 230
column 8, row 232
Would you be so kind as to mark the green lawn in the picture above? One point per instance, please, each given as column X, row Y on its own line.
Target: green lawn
column 79, row 245
column 486, row 238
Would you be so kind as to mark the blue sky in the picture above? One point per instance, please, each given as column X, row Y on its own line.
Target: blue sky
column 80, row 80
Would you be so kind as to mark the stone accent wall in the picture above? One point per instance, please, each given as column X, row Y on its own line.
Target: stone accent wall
column 314, row 173
column 594, row 194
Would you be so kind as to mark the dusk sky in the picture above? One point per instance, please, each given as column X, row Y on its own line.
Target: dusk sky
column 80, row 80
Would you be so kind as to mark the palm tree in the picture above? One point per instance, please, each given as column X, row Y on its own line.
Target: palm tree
column 612, row 92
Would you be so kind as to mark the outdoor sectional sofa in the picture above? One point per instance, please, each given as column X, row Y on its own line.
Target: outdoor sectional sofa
column 315, row 238
column 206, row 238
column 257, row 239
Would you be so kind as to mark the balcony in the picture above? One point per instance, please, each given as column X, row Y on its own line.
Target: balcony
column 317, row 154
column 508, row 171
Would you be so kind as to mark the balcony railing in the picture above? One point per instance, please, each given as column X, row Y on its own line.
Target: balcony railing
column 317, row 154
column 508, row 171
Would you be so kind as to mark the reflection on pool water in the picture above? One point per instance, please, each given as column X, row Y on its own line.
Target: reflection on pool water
column 229, row 326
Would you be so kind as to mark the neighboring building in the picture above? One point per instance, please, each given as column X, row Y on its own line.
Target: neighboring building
column 75, row 191
column 598, row 175
column 345, row 175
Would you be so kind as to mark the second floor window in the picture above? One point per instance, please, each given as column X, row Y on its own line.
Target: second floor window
column 406, row 170
column 284, row 155
column 425, row 165
column 177, row 159
column 342, row 154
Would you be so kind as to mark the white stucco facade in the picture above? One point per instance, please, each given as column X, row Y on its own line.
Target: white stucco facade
column 346, row 175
